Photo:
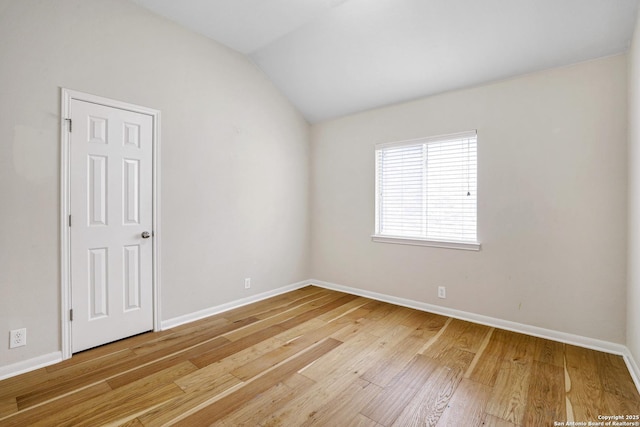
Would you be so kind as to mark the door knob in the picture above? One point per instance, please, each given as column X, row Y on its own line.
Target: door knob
column 146, row 234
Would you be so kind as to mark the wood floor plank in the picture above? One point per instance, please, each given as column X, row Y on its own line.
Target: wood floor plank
column 232, row 347
column 301, row 408
column 343, row 310
column 105, row 371
column 311, row 314
column 400, row 316
column 260, row 308
column 389, row 404
column 334, row 373
column 128, row 400
column 432, row 323
column 301, row 329
column 455, row 358
column 479, row 353
column 510, row 393
column 105, row 411
column 353, row 328
column 87, row 374
column 8, row 406
column 164, row 362
column 132, row 423
column 105, row 350
column 369, row 310
column 466, row 407
column 285, row 351
column 459, row 334
column 486, row 370
column 390, row 364
column 29, row 417
column 586, row 391
column 376, row 310
column 545, row 398
column 74, row 379
column 261, row 335
column 176, row 407
column 471, row 337
column 20, row 384
column 352, row 358
column 274, row 319
column 258, row 409
column 186, row 336
column 498, row 350
column 369, row 319
column 310, row 301
column 233, row 401
column 289, row 300
column 520, row 348
column 500, row 343
column 346, row 406
column 171, row 345
column 362, row 421
column 397, row 357
column 551, row 352
column 91, row 365
column 200, row 379
column 263, row 324
column 615, row 404
column 350, row 355
column 615, row 377
column 491, row 421
column 429, row 403
column 33, row 384
column 322, row 357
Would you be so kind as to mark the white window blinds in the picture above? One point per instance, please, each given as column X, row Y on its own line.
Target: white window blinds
column 426, row 189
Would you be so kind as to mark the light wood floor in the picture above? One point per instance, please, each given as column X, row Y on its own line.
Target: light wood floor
column 315, row 356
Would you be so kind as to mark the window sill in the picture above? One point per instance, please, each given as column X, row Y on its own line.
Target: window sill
column 425, row 242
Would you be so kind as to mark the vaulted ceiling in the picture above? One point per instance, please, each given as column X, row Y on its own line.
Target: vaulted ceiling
column 336, row 57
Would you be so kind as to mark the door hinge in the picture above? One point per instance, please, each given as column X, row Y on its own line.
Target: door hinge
column 70, row 124
column 69, row 220
column 71, row 315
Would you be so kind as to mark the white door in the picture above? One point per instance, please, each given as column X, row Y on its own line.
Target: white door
column 111, row 219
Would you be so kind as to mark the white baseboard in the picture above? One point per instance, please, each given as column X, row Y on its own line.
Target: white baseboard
column 633, row 367
column 30, row 365
column 191, row 317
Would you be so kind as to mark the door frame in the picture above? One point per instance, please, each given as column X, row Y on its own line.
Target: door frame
column 67, row 95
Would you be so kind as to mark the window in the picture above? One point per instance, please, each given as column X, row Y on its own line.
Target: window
column 426, row 192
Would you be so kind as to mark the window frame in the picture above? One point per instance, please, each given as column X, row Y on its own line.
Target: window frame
column 420, row 241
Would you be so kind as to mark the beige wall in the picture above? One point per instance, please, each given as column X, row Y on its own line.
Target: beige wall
column 633, row 292
column 552, row 201
column 234, row 158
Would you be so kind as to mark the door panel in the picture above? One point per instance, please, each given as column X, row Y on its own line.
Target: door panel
column 98, row 292
column 97, row 191
column 131, row 186
column 131, row 258
column 111, row 206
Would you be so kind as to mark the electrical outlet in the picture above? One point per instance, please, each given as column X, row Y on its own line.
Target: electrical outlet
column 247, row 283
column 442, row 292
column 18, row 338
